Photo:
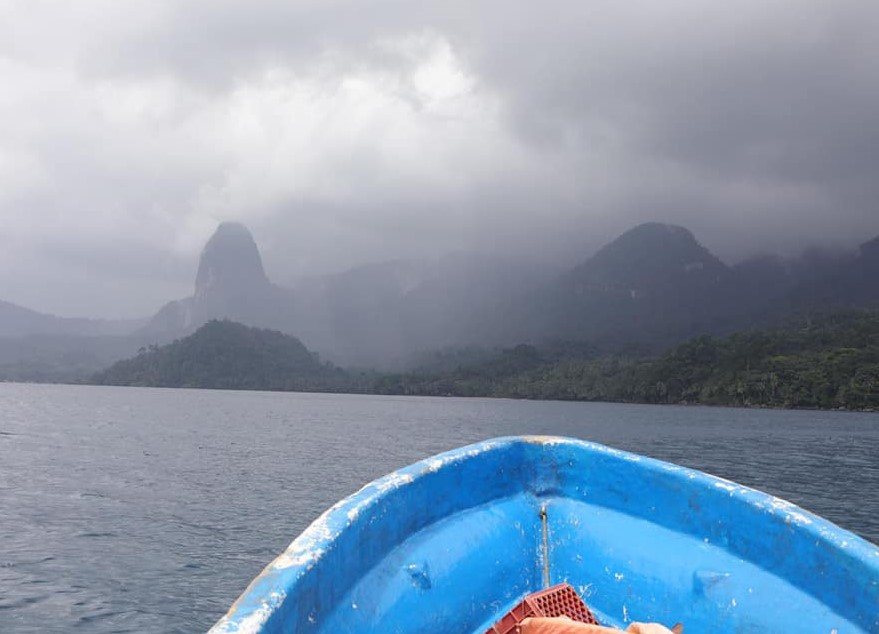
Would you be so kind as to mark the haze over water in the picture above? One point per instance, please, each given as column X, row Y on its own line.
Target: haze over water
column 143, row 510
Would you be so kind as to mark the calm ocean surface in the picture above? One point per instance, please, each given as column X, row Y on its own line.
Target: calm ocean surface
column 146, row 510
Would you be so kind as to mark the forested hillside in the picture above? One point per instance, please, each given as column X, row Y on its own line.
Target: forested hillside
column 225, row 355
column 821, row 362
column 829, row 361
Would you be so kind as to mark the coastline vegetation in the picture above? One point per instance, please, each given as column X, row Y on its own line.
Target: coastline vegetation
column 828, row 361
column 226, row 355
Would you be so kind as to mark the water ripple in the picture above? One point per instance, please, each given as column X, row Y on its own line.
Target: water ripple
column 137, row 510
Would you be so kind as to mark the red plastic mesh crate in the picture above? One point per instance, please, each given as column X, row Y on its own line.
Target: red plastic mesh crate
column 560, row 600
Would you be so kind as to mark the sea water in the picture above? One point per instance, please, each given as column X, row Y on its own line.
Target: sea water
column 150, row 510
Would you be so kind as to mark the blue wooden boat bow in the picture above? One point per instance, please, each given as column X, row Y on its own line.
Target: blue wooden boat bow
column 451, row 543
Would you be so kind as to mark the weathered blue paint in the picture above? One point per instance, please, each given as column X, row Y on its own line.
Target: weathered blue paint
column 451, row 543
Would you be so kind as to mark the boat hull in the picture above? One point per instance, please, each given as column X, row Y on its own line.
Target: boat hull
column 450, row 544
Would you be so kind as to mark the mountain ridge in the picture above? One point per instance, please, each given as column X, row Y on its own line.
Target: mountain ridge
column 650, row 288
column 18, row 321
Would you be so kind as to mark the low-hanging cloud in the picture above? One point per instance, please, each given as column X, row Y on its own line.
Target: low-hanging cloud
column 343, row 133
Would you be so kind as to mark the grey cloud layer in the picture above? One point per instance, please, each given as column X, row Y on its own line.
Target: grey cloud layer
column 344, row 131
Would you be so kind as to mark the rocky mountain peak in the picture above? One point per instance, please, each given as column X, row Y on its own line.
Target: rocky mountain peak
column 658, row 242
column 231, row 283
column 230, row 263
column 650, row 256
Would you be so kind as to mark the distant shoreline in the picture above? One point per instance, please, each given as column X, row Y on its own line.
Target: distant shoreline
column 840, row 410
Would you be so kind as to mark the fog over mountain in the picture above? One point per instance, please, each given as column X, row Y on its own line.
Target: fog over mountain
column 230, row 283
column 343, row 137
column 650, row 288
column 378, row 314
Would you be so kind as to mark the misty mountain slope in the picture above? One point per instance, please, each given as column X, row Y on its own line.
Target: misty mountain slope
column 765, row 291
column 650, row 259
column 759, row 281
column 463, row 286
column 842, row 281
column 59, row 358
column 353, row 317
column 652, row 286
column 387, row 313
column 39, row 347
column 656, row 286
column 17, row 321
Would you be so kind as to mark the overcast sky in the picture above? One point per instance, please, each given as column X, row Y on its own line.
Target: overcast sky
column 344, row 131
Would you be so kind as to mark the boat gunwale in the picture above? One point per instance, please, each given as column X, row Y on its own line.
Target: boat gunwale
column 267, row 592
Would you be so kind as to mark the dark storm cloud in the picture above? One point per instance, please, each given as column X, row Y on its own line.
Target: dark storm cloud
column 345, row 131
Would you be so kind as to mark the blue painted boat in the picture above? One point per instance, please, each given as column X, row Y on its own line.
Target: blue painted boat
column 452, row 543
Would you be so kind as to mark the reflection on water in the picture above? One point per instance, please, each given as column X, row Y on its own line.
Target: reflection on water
column 143, row 510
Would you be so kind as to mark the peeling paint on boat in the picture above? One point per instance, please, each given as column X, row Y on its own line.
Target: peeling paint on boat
column 254, row 622
column 451, row 543
column 790, row 512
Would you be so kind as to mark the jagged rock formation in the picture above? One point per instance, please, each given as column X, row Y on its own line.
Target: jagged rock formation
column 230, row 275
column 231, row 283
